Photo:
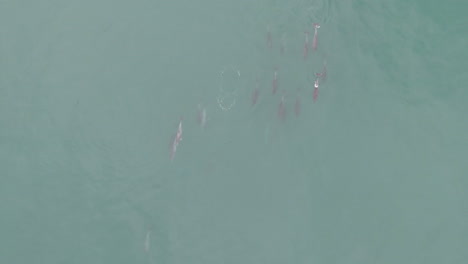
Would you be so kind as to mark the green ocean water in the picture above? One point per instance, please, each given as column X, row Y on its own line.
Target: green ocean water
column 374, row 171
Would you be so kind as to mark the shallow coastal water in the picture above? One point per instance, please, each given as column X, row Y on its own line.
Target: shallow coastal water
column 373, row 171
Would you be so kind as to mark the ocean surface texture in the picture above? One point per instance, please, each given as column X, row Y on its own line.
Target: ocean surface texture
column 212, row 131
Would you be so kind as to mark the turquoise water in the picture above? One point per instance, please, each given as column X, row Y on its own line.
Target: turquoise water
column 374, row 171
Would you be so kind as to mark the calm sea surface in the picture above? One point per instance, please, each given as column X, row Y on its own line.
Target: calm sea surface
column 374, row 171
